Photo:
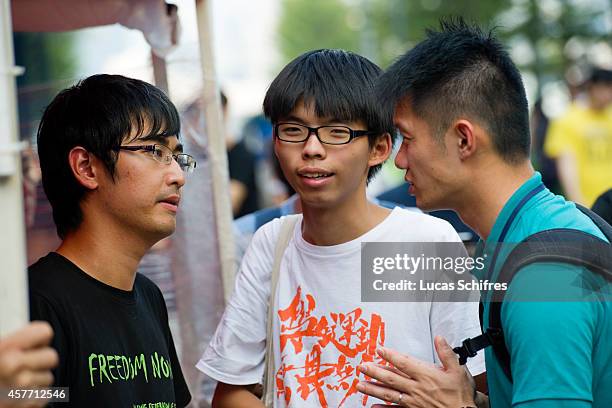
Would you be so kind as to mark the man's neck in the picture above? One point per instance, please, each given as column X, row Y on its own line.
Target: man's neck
column 106, row 254
column 341, row 223
column 480, row 204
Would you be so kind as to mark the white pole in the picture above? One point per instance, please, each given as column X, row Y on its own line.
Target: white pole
column 217, row 151
column 160, row 73
column 13, row 277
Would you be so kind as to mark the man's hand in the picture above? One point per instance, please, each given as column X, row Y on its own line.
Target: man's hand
column 416, row 384
column 26, row 361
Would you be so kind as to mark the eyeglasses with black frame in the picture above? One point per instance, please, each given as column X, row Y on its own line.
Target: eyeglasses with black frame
column 164, row 154
column 332, row 135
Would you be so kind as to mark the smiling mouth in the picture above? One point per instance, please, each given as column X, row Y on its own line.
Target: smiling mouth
column 316, row 175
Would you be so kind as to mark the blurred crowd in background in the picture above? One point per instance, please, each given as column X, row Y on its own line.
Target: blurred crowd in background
column 562, row 47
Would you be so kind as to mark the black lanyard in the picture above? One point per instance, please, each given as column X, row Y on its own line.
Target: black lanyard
column 509, row 222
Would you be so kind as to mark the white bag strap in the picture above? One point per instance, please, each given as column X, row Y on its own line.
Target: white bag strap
column 284, row 237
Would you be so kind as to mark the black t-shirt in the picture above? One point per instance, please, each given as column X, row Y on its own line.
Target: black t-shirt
column 115, row 346
column 242, row 168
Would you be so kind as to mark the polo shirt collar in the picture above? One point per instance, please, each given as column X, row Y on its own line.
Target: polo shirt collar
column 488, row 246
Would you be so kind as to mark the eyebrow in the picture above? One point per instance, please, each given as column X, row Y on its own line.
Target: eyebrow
column 291, row 119
column 163, row 140
column 324, row 121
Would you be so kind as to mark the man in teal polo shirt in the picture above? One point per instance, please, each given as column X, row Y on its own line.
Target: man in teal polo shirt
column 460, row 105
column 560, row 349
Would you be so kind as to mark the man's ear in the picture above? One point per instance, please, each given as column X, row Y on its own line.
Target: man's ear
column 381, row 150
column 84, row 167
column 465, row 138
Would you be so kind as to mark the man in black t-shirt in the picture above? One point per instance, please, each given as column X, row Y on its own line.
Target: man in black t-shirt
column 241, row 166
column 112, row 169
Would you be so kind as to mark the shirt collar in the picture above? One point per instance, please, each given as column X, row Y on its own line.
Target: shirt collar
column 515, row 199
column 488, row 245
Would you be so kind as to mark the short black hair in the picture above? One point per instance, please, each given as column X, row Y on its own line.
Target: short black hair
column 98, row 114
column 600, row 76
column 461, row 70
column 340, row 84
column 603, row 206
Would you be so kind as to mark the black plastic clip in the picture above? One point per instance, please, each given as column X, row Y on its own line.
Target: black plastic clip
column 467, row 349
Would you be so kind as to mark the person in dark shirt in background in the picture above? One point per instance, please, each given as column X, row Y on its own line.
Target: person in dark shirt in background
column 112, row 169
column 241, row 162
column 603, row 206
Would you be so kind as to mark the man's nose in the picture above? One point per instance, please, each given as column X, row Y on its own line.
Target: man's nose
column 176, row 174
column 313, row 146
column 401, row 161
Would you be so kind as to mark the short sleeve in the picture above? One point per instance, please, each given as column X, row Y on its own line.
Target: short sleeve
column 457, row 321
column 551, row 337
column 236, row 352
column 41, row 309
column 554, row 403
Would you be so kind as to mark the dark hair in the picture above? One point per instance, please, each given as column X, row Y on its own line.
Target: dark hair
column 98, row 114
column 460, row 70
column 223, row 99
column 338, row 83
column 600, row 76
column 603, row 206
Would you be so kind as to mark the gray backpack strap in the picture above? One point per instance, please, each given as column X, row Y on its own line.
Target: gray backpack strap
column 284, row 237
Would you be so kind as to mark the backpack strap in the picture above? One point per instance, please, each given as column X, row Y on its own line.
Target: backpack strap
column 286, row 231
column 556, row 245
column 599, row 222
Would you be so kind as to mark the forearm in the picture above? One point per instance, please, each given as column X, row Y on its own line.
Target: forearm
column 568, row 176
column 238, row 193
column 235, row 396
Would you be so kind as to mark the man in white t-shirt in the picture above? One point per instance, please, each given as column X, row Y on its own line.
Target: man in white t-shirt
column 321, row 108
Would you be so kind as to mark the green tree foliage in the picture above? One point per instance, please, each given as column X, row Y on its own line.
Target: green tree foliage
column 379, row 29
column 312, row 24
column 546, row 36
column 402, row 24
column 557, row 34
column 46, row 56
column 48, row 61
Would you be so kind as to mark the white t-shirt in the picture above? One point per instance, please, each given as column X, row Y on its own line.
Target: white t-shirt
column 323, row 331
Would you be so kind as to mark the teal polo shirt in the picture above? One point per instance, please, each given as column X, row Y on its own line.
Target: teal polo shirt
column 561, row 351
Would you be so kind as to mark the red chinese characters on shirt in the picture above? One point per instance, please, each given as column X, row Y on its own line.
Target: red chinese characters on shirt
column 352, row 337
